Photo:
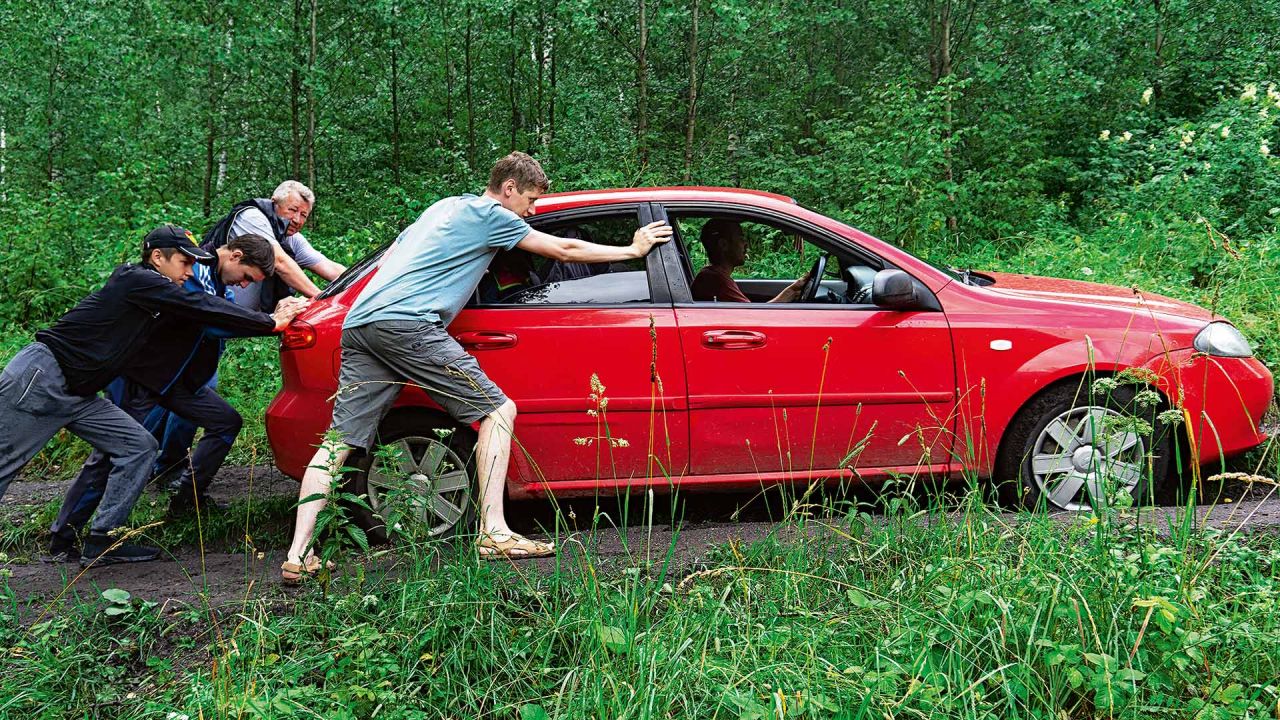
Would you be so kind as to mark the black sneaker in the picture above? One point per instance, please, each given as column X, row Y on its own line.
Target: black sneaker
column 62, row 548
column 98, row 551
column 167, row 477
column 184, row 503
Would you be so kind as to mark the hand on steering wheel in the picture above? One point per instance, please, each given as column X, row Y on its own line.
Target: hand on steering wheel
column 810, row 291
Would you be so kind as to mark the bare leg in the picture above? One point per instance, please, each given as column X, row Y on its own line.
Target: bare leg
column 493, row 452
column 316, row 480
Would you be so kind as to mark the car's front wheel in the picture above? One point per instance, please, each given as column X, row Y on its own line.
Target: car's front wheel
column 421, row 480
column 1076, row 448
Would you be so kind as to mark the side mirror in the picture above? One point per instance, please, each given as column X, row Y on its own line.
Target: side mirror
column 895, row 290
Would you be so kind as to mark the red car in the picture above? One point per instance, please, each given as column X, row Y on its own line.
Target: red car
column 885, row 366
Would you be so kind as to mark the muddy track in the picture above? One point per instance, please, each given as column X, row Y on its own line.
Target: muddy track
column 226, row 577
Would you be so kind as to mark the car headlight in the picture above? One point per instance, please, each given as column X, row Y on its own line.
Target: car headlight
column 1222, row 339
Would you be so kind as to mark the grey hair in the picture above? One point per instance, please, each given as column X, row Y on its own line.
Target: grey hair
column 291, row 187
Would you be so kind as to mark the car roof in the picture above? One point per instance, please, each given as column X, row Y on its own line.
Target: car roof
column 585, row 198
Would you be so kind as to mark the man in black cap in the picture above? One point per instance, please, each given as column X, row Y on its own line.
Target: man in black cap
column 170, row 373
column 53, row 383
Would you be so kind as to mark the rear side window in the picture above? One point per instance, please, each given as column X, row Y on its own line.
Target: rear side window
column 516, row 277
column 355, row 272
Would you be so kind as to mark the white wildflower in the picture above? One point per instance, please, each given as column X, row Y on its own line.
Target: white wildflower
column 1206, row 166
column 1272, row 94
column 1226, row 132
column 1086, row 271
column 1146, row 95
column 1250, row 93
column 1126, row 137
column 1187, row 137
column 1265, row 149
column 1104, row 135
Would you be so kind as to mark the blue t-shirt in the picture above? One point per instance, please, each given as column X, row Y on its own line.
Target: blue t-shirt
column 436, row 263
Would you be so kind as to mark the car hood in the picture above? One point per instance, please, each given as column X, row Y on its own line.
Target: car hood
column 1077, row 291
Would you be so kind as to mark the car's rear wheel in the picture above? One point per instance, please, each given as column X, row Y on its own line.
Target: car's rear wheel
column 1074, row 448
column 423, row 483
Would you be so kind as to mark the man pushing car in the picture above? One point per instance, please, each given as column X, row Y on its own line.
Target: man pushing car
column 396, row 331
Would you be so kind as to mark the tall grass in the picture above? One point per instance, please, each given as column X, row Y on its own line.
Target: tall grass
column 918, row 611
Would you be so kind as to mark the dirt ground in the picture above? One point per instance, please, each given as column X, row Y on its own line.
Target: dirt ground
column 220, row 577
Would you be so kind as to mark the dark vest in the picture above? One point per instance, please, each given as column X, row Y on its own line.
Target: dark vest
column 274, row 289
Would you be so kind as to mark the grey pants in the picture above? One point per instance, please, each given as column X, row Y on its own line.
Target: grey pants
column 35, row 404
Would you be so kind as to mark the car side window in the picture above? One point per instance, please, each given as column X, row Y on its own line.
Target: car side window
column 517, row 277
column 739, row 261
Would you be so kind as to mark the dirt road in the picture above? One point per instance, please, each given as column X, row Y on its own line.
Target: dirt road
column 221, row 576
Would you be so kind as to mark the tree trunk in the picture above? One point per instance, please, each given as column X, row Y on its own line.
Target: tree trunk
column 295, row 92
column 551, row 103
column 4, row 192
column 50, row 118
column 471, row 108
column 210, row 130
column 642, row 87
column 540, row 51
column 942, row 71
column 691, row 110
column 511, row 79
column 395, row 98
column 52, row 121
column 311, row 104
column 1158, row 47
column 446, row 62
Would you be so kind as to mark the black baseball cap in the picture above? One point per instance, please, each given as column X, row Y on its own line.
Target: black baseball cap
column 172, row 236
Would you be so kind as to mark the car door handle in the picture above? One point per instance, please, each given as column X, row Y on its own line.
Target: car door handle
column 484, row 340
column 733, row 339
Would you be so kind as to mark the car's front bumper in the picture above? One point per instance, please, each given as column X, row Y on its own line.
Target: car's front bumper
column 1224, row 400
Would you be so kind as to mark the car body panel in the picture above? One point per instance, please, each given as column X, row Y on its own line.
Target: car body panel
column 816, row 389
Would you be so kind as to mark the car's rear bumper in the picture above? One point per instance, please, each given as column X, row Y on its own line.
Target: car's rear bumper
column 1224, row 400
column 296, row 422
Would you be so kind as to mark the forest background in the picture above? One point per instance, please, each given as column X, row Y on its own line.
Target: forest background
column 1121, row 142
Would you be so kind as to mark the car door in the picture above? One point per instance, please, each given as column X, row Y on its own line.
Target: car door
column 592, row 362
column 792, row 390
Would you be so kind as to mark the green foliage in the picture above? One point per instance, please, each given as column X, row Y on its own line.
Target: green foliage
column 966, row 615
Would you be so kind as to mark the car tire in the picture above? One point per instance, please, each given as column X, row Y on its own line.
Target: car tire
column 1071, row 442
column 421, row 438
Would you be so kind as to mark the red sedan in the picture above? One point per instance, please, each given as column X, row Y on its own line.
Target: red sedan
column 883, row 365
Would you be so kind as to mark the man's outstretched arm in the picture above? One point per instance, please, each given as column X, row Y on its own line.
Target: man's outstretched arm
column 573, row 250
column 292, row 274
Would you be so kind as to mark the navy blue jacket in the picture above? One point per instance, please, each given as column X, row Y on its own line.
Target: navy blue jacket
column 187, row 351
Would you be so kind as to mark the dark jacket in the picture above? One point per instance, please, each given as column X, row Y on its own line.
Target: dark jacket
column 217, row 236
column 98, row 339
column 185, row 351
column 274, row 289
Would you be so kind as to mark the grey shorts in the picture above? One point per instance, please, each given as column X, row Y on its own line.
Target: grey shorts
column 380, row 358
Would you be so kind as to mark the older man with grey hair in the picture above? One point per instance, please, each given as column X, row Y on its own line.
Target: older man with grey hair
column 279, row 219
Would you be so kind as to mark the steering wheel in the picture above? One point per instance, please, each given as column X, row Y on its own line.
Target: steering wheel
column 810, row 291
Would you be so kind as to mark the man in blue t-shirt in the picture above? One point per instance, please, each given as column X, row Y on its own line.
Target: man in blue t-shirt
column 396, row 332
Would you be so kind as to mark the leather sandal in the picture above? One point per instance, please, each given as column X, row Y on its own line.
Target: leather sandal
column 512, row 546
column 292, row 573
